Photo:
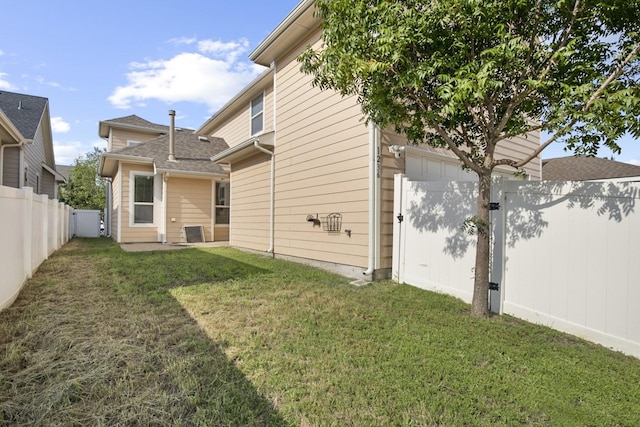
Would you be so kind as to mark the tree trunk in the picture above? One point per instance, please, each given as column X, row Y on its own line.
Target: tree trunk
column 480, row 301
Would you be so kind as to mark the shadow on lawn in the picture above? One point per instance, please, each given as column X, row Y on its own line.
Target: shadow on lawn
column 101, row 345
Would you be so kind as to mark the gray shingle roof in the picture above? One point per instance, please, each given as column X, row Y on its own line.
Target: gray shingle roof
column 192, row 153
column 134, row 120
column 581, row 168
column 64, row 170
column 24, row 111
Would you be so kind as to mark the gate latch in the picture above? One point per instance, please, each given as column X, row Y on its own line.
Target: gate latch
column 400, row 217
column 493, row 286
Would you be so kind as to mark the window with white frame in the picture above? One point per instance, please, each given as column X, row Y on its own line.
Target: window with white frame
column 257, row 114
column 131, row 142
column 143, row 199
column 222, row 202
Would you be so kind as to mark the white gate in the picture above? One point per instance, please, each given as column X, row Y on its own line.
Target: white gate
column 564, row 254
column 431, row 248
column 86, row 223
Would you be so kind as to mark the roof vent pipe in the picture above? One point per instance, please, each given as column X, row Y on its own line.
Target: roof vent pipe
column 19, row 105
column 172, row 136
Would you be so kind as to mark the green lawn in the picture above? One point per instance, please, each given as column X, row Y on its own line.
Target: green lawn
column 220, row 337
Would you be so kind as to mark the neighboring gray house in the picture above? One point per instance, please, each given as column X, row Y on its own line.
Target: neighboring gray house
column 583, row 168
column 26, row 144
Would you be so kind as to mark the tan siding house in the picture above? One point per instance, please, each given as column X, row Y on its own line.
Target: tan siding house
column 314, row 183
column 161, row 183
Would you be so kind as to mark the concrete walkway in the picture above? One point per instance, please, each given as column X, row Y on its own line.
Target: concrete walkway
column 147, row 247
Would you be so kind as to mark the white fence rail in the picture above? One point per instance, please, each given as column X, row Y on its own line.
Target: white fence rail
column 31, row 229
column 565, row 254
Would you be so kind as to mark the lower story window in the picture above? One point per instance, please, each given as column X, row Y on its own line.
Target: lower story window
column 222, row 202
column 143, row 199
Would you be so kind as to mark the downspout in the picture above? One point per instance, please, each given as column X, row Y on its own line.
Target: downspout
column 165, row 183
column 374, row 197
column 259, row 147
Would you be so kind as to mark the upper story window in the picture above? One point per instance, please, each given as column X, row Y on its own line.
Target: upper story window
column 257, row 114
column 131, row 142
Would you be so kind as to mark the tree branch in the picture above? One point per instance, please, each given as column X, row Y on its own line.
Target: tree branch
column 567, row 128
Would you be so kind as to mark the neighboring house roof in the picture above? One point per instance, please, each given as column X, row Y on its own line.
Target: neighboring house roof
column 132, row 122
column 24, row 111
column 64, row 170
column 193, row 154
column 582, row 168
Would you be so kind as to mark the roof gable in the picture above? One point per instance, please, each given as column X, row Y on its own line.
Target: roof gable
column 24, row 111
column 131, row 122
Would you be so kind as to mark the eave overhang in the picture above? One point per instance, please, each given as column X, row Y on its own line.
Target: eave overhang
column 109, row 163
column 293, row 28
column 245, row 149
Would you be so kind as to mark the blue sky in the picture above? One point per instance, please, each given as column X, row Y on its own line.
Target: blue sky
column 101, row 60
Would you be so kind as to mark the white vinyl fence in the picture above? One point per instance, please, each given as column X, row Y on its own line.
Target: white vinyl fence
column 31, row 229
column 565, row 254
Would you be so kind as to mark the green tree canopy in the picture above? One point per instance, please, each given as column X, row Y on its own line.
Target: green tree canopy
column 470, row 74
column 85, row 189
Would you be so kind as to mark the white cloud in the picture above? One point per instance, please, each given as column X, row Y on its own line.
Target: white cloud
column 59, row 126
column 67, row 152
column 634, row 162
column 4, row 83
column 210, row 76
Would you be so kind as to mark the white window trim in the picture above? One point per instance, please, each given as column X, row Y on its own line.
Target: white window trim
column 216, row 206
column 252, row 116
column 132, row 223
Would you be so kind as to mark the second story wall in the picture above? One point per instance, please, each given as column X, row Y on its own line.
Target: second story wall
column 237, row 128
column 119, row 138
column 34, row 156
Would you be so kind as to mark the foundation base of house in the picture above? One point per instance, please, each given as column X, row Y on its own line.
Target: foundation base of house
column 350, row 271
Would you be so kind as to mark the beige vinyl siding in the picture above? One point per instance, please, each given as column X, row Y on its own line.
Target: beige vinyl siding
column 11, row 168
column 120, row 137
column 515, row 148
column 519, row 147
column 321, row 168
column 115, row 190
column 189, row 202
column 390, row 166
column 237, row 128
column 221, row 233
column 250, row 199
column 131, row 234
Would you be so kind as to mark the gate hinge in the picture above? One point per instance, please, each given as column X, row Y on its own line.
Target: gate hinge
column 493, row 286
column 494, row 206
column 400, row 217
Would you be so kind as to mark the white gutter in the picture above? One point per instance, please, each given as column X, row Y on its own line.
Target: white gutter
column 257, row 145
column 374, row 197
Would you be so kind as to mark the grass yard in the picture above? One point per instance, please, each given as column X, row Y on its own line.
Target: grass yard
column 219, row 337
